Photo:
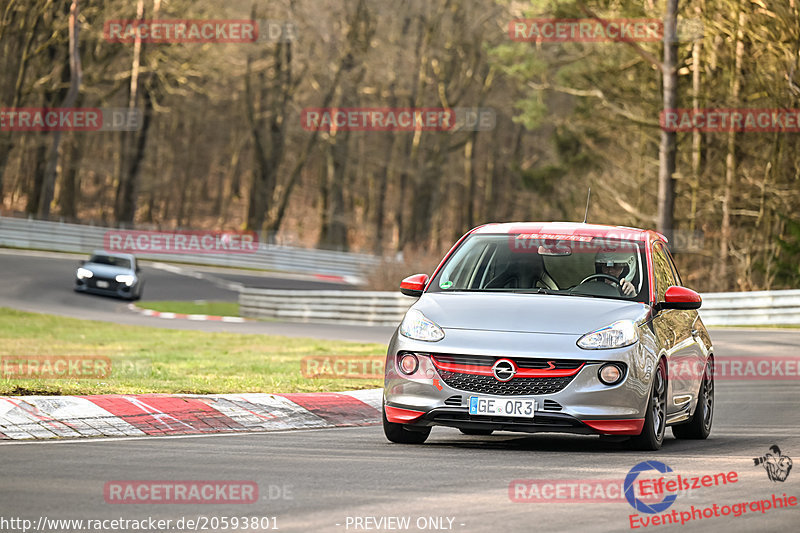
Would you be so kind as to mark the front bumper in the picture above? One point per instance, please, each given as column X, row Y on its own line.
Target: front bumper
column 579, row 403
column 114, row 288
column 542, row 422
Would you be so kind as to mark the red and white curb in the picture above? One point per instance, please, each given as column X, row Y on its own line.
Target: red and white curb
column 46, row 417
column 184, row 316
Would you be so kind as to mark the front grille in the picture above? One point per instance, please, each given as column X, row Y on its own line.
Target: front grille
column 472, row 382
column 517, row 386
column 521, row 362
column 112, row 283
column 550, row 405
column 453, row 401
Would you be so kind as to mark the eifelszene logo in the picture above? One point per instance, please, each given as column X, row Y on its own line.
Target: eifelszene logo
column 637, row 503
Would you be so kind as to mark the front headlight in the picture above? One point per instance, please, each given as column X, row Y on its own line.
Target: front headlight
column 617, row 335
column 127, row 279
column 417, row 326
column 84, row 273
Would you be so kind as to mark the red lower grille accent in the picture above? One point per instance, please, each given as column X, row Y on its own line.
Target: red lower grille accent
column 401, row 416
column 481, row 370
column 631, row 426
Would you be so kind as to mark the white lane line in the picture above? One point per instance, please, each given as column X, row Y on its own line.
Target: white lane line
column 214, row 280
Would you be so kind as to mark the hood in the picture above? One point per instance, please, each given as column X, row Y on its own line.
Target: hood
column 528, row 313
column 106, row 271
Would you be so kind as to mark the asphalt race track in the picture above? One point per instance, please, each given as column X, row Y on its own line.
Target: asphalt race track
column 352, row 479
column 42, row 282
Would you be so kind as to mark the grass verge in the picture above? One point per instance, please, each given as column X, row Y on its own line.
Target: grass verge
column 154, row 360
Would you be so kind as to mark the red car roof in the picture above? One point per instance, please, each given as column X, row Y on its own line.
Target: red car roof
column 571, row 228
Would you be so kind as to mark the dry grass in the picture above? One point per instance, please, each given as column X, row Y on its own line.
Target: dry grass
column 388, row 275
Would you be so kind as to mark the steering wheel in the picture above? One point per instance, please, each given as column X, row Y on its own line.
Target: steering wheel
column 601, row 276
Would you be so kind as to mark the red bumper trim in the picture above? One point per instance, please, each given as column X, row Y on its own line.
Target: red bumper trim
column 401, row 416
column 617, row 427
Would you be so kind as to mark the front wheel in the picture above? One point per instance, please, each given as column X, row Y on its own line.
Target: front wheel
column 399, row 434
column 652, row 435
column 699, row 427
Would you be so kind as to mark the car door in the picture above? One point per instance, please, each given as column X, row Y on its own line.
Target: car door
column 696, row 361
column 673, row 329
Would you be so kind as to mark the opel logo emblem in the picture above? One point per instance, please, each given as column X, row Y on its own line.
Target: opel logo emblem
column 504, row 369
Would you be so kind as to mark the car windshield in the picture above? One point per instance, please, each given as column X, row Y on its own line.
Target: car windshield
column 111, row 260
column 568, row 266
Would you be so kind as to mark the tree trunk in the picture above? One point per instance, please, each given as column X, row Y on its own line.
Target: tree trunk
column 133, row 143
column 49, row 183
column 333, row 235
column 667, row 148
column 6, row 144
column 70, row 184
column 697, row 49
column 730, row 158
column 35, row 191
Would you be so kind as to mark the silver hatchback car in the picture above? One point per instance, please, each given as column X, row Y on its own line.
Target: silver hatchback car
column 560, row 327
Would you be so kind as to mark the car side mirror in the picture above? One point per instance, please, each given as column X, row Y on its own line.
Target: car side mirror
column 680, row 298
column 414, row 285
column 82, row 262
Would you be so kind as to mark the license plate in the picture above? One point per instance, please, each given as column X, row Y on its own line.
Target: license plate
column 488, row 406
column 102, row 284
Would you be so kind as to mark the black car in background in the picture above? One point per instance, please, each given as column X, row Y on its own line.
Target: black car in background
column 110, row 274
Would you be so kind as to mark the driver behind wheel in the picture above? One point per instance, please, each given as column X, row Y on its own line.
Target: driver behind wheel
column 620, row 266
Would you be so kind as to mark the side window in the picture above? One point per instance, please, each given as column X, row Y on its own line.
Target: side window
column 662, row 270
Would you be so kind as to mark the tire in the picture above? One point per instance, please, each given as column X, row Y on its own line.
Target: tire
column 484, row 432
column 652, row 435
column 399, row 434
column 699, row 427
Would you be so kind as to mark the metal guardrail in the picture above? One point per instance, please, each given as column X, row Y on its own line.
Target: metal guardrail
column 340, row 307
column 62, row 237
column 388, row 308
column 756, row 308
